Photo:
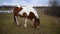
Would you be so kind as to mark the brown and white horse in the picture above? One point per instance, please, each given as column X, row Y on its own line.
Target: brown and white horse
column 29, row 13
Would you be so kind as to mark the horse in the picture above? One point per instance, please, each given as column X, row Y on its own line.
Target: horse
column 27, row 12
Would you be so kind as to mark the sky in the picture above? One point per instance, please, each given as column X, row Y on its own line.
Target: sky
column 25, row 2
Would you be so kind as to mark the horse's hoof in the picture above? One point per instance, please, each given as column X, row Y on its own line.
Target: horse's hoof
column 37, row 27
column 18, row 24
column 25, row 26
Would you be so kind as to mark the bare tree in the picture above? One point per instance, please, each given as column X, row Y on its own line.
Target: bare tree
column 53, row 2
column 54, row 9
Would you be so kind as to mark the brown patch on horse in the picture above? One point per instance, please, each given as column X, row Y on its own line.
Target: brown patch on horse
column 16, row 10
column 24, row 15
column 31, row 15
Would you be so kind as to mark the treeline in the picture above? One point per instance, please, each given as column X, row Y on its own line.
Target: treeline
column 6, row 7
column 52, row 11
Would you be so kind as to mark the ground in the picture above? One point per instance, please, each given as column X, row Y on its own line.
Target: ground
column 48, row 25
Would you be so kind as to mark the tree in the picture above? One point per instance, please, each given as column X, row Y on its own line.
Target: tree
column 54, row 9
column 53, row 2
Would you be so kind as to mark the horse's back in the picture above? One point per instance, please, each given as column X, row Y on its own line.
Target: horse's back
column 29, row 9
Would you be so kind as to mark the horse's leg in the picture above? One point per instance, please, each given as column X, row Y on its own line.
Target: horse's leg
column 36, row 23
column 16, row 20
column 25, row 25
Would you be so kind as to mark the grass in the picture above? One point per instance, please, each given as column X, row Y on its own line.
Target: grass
column 48, row 25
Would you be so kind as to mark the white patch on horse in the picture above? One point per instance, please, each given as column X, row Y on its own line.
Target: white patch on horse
column 27, row 10
column 25, row 25
column 16, row 20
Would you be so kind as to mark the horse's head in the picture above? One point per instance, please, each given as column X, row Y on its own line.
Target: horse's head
column 18, row 8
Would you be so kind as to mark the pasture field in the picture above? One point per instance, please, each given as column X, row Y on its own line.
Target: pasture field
column 48, row 25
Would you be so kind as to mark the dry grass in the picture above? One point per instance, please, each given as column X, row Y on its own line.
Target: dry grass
column 48, row 25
